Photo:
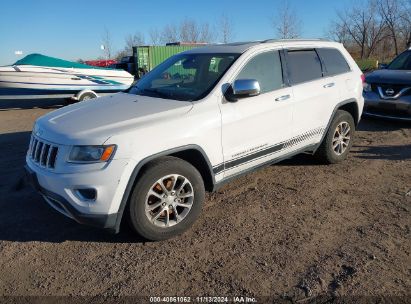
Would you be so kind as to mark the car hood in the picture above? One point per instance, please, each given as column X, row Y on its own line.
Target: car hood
column 390, row 77
column 92, row 122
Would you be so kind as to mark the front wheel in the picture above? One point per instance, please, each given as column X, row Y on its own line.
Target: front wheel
column 167, row 199
column 338, row 140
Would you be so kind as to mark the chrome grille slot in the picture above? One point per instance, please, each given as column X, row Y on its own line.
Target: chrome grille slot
column 43, row 153
column 53, row 156
column 38, row 152
column 33, row 148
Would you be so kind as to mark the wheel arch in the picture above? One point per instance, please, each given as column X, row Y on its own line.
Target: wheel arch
column 349, row 105
column 193, row 154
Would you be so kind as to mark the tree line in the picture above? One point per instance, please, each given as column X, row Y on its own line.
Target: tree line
column 378, row 29
column 188, row 30
column 374, row 28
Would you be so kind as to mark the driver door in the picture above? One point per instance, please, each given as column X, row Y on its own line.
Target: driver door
column 254, row 129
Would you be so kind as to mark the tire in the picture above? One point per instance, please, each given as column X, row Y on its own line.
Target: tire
column 87, row 96
column 172, row 172
column 332, row 149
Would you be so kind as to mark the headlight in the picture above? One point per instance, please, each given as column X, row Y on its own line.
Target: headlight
column 91, row 154
column 367, row 87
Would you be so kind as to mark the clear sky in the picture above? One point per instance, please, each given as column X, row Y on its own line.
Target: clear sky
column 73, row 29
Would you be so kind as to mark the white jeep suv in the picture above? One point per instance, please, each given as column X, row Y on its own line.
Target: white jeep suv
column 193, row 123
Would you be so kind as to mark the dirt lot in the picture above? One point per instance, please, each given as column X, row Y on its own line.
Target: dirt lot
column 291, row 231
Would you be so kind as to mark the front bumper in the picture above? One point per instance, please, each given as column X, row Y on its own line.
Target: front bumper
column 63, row 206
column 59, row 191
column 398, row 109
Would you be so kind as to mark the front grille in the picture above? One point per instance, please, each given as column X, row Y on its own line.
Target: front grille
column 394, row 88
column 43, row 153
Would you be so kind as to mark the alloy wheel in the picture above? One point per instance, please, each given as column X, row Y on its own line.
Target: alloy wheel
column 342, row 137
column 169, row 200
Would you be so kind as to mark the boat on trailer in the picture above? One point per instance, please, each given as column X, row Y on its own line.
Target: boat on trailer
column 39, row 76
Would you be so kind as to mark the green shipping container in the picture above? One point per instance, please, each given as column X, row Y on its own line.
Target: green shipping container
column 148, row 57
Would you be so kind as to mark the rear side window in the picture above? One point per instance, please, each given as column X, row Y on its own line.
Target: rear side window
column 266, row 69
column 334, row 61
column 303, row 66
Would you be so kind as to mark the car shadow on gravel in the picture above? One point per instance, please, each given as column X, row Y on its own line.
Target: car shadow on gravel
column 374, row 124
column 300, row 160
column 26, row 217
column 26, row 104
column 383, row 152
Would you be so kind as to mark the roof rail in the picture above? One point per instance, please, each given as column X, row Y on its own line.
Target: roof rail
column 285, row 40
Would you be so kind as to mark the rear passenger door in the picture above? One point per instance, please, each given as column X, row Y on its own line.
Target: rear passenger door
column 337, row 70
column 314, row 95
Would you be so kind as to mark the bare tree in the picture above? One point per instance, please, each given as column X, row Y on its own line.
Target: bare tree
column 363, row 27
column 405, row 26
column 390, row 11
column 106, row 41
column 286, row 23
column 338, row 32
column 206, row 33
column 189, row 31
column 155, row 36
column 134, row 40
column 226, row 28
column 169, row 33
column 374, row 28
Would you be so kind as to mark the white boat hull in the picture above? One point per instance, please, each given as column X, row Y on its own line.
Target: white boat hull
column 26, row 82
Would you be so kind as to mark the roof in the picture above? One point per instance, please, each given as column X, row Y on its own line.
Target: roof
column 46, row 61
column 241, row 47
column 238, row 47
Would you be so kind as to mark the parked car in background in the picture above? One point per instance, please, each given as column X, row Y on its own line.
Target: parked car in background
column 127, row 64
column 100, row 62
column 193, row 123
column 387, row 91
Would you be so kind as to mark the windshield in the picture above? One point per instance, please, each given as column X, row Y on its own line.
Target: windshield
column 185, row 77
column 402, row 62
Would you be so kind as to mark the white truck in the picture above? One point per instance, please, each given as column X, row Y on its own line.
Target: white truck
column 196, row 121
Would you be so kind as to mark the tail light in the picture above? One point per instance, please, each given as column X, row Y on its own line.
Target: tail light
column 363, row 78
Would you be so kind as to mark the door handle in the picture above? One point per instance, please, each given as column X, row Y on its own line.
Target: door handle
column 329, row 85
column 281, row 98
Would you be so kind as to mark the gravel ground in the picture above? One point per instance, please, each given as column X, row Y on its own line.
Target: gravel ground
column 292, row 231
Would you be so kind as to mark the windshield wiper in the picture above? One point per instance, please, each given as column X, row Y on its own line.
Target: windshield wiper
column 156, row 92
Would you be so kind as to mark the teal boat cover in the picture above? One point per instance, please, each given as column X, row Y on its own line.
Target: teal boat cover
column 46, row 61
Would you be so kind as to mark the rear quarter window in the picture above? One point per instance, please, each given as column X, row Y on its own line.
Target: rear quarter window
column 334, row 61
column 303, row 66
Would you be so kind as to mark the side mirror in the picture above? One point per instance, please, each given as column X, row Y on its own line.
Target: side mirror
column 382, row 66
column 243, row 88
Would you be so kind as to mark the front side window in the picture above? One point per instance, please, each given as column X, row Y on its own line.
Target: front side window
column 266, row 69
column 187, row 77
column 402, row 62
column 303, row 66
column 334, row 61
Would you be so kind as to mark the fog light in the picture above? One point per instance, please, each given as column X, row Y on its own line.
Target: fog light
column 88, row 194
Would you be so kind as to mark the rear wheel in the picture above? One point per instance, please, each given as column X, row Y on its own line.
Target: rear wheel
column 166, row 200
column 338, row 140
